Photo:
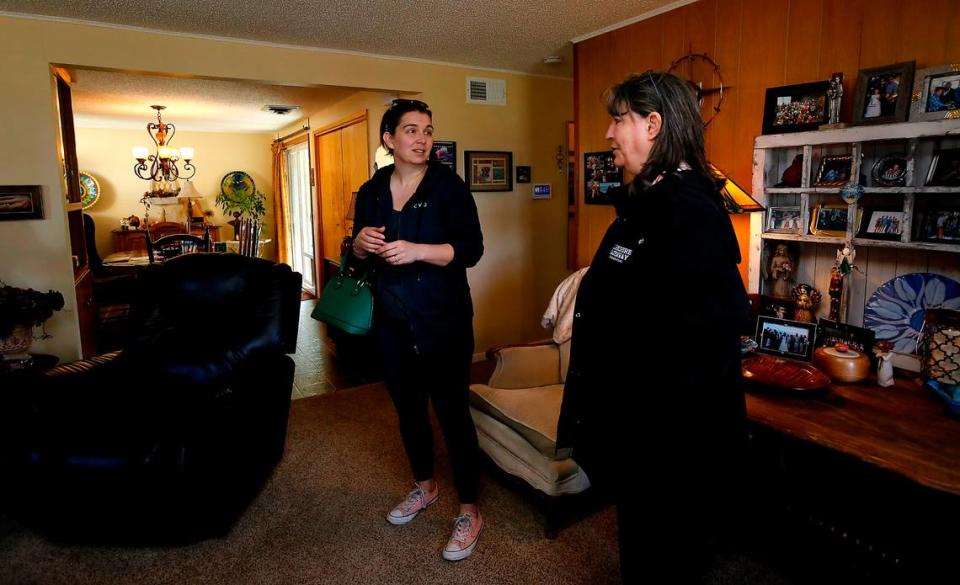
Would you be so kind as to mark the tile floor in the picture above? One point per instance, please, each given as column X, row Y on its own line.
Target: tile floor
column 328, row 361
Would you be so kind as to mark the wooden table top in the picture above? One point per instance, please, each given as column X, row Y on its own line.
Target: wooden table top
column 904, row 428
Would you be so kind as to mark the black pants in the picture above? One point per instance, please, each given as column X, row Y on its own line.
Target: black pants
column 441, row 375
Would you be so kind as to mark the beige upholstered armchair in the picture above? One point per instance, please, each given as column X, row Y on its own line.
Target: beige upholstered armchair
column 516, row 416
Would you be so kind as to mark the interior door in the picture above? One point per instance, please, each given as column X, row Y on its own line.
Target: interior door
column 342, row 167
column 331, row 193
column 301, row 206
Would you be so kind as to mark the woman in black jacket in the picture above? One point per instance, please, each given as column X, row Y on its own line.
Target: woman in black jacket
column 663, row 300
column 417, row 222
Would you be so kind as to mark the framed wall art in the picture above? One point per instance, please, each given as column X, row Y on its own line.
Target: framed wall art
column 883, row 93
column 783, row 220
column 21, row 202
column 936, row 93
column 944, row 168
column 881, row 224
column 890, row 170
column 939, row 226
column 488, row 170
column 829, row 221
column 445, row 152
column 830, row 333
column 600, row 177
column 834, row 171
column 795, row 108
column 523, row 174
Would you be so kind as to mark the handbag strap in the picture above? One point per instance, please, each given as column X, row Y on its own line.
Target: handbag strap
column 362, row 279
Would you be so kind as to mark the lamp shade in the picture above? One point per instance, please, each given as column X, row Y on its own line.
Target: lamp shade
column 186, row 153
column 735, row 199
column 188, row 191
column 140, row 152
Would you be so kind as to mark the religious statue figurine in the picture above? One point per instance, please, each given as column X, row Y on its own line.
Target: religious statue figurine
column 835, row 92
column 781, row 271
column 884, row 352
column 807, row 299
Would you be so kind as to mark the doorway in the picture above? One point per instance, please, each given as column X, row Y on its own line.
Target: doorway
column 302, row 251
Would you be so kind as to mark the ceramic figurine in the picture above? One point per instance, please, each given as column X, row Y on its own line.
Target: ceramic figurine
column 807, row 299
column 884, row 363
column 781, row 271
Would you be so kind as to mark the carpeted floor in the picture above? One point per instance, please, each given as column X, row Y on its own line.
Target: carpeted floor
column 320, row 519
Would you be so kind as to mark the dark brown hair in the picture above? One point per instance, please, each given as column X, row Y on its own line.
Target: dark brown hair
column 391, row 118
column 681, row 134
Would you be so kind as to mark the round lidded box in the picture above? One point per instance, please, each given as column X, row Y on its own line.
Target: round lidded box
column 842, row 364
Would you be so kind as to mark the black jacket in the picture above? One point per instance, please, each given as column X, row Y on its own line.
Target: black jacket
column 441, row 211
column 663, row 300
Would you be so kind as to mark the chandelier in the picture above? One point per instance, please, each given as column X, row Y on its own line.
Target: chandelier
column 163, row 164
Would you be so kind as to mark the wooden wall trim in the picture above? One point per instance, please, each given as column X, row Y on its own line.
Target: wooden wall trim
column 342, row 123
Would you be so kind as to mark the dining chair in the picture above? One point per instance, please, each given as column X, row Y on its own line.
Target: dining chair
column 175, row 245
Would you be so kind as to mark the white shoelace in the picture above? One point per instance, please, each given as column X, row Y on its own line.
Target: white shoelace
column 463, row 527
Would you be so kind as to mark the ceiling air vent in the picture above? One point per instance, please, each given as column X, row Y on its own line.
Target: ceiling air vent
column 279, row 109
column 492, row 92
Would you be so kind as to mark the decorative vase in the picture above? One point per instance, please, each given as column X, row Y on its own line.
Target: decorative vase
column 17, row 342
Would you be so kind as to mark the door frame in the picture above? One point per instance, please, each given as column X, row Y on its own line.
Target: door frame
column 350, row 120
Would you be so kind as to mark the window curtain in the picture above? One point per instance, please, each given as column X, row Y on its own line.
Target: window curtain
column 281, row 203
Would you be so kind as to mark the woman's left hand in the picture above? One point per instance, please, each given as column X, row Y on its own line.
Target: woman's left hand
column 400, row 252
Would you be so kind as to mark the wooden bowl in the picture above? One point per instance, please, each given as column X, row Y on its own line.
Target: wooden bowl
column 842, row 366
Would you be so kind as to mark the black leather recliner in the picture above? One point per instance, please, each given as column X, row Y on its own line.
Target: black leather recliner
column 173, row 435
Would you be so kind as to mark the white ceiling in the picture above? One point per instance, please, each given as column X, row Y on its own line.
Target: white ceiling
column 508, row 35
column 103, row 99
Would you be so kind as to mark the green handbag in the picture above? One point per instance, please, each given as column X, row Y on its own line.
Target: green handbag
column 346, row 302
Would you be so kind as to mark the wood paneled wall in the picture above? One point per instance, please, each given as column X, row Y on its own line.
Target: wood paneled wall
column 758, row 44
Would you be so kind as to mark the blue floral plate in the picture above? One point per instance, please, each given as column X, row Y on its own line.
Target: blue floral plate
column 895, row 311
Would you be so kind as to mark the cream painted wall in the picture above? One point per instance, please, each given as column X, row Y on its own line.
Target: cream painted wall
column 105, row 153
column 525, row 239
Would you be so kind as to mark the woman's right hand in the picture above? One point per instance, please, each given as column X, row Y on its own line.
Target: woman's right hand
column 368, row 241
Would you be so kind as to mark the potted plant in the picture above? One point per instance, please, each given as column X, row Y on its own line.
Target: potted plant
column 239, row 196
column 20, row 311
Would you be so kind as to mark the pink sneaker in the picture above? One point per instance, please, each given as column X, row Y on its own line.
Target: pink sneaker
column 466, row 531
column 408, row 509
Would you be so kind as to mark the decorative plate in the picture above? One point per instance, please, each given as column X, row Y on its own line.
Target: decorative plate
column 767, row 372
column 238, row 183
column 89, row 190
column 895, row 311
column 890, row 170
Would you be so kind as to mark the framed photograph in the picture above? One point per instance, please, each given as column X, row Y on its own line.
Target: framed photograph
column 890, row 170
column 883, row 94
column 881, row 224
column 939, row 226
column 944, row 169
column 776, row 307
column 523, row 174
column 834, row 171
column 795, row 108
column 785, row 338
column 600, row 177
column 936, row 93
column 783, row 220
column 21, row 202
column 830, row 333
column 829, row 221
column 488, row 170
column 445, row 152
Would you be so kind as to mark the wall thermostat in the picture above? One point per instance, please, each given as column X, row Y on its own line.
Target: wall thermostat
column 542, row 191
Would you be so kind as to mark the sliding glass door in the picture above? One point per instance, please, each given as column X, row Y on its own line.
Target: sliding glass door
column 301, row 207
